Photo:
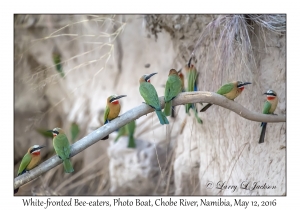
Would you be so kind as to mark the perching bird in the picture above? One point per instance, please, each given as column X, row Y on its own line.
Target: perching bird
column 269, row 108
column 127, row 130
column 30, row 160
column 74, row 131
column 181, row 76
column 230, row 91
column 150, row 96
column 130, row 128
column 62, row 148
column 172, row 89
column 112, row 109
column 121, row 132
column 192, row 76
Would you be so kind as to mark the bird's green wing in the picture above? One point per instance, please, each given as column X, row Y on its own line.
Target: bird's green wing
column 149, row 94
column 173, row 87
column 225, row 89
column 192, row 77
column 67, row 151
column 74, row 131
column 106, row 114
column 121, row 132
column 267, row 107
column 62, row 146
column 24, row 163
column 130, row 127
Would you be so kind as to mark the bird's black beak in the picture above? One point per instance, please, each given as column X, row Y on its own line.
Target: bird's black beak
column 40, row 147
column 149, row 76
column 117, row 97
column 243, row 84
column 247, row 83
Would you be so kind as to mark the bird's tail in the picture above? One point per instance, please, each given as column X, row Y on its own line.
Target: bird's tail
column 68, row 166
column 167, row 110
column 162, row 118
column 131, row 142
column 16, row 190
column 187, row 108
column 106, row 137
column 173, row 112
column 117, row 138
column 263, row 132
column 205, row 108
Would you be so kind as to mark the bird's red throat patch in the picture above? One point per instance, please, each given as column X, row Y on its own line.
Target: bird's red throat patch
column 115, row 102
column 38, row 152
column 242, row 88
column 271, row 97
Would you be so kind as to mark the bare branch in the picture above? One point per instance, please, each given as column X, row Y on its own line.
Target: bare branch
column 135, row 113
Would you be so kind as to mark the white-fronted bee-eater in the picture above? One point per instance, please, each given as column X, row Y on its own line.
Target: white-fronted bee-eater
column 62, row 148
column 230, row 90
column 30, row 160
column 269, row 108
column 150, row 96
column 112, row 109
column 172, row 89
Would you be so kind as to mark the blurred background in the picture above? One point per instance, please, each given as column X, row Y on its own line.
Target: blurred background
column 67, row 65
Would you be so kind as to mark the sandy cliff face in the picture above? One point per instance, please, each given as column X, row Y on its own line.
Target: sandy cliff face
column 105, row 55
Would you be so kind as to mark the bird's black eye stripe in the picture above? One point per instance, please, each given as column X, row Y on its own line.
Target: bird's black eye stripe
column 273, row 94
column 33, row 149
column 55, row 132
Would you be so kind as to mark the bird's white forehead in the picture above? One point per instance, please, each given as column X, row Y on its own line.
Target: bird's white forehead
column 35, row 146
column 56, row 129
column 270, row 91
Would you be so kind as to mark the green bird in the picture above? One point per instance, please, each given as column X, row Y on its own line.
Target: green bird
column 130, row 128
column 269, row 108
column 192, row 77
column 74, row 131
column 112, row 109
column 57, row 61
column 181, row 76
column 121, row 132
column 62, row 148
column 172, row 89
column 150, row 96
column 30, row 160
column 230, row 90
